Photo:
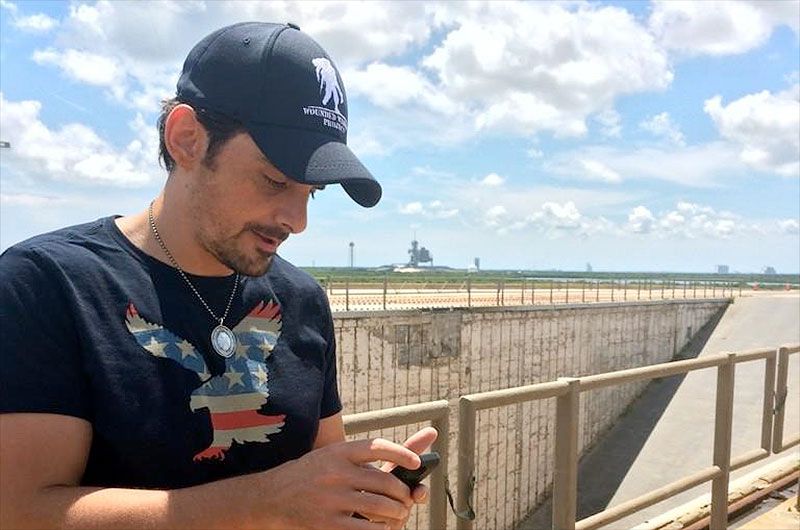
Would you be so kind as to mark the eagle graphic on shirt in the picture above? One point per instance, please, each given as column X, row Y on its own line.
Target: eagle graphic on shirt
column 235, row 397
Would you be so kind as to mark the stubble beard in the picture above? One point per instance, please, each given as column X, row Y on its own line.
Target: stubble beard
column 228, row 253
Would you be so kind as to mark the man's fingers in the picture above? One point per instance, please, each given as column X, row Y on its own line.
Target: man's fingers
column 420, row 494
column 419, row 442
column 363, row 451
column 378, row 507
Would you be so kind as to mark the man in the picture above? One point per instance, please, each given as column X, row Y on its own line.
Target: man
column 168, row 369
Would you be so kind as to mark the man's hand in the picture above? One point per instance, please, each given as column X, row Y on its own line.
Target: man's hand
column 324, row 487
column 418, row 442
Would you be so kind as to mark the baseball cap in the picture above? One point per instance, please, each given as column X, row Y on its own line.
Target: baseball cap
column 286, row 91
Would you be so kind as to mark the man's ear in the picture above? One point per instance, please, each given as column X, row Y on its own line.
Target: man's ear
column 184, row 137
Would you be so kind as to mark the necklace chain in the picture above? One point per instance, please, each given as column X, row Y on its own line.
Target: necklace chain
column 186, row 278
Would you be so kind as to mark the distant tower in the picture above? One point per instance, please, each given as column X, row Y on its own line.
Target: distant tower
column 588, row 267
column 352, row 246
column 477, row 263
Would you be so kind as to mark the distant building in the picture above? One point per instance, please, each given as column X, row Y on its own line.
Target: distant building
column 588, row 267
column 723, row 269
column 477, row 264
column 418, row 255
column 769, row 270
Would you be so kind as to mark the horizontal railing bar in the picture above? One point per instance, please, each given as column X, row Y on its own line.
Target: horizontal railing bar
column 509, row 396
column 593, row 382
column 753, row 355
column 648, row 499
column 792, row 349
column 395, row 417
column 748, row 458
column 791, row 442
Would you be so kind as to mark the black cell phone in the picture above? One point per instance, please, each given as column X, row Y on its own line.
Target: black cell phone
column 412, row 477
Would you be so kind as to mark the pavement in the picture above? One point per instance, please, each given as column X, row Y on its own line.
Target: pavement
column 668, row 432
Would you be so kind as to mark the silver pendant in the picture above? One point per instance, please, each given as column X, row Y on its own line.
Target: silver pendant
column 224, row 341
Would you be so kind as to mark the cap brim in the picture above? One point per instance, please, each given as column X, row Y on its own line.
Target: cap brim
column 314, row 158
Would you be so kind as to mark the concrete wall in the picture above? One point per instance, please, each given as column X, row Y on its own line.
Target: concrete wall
column 394, row 358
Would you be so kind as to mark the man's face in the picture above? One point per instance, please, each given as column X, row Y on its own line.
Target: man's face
column 243, row 208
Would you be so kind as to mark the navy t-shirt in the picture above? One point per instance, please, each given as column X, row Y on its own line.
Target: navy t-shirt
column 92, row 327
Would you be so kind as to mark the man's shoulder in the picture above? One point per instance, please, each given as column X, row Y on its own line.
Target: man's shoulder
column 286, row 273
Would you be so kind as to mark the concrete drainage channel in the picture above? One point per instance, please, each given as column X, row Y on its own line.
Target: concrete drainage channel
column 747, row 497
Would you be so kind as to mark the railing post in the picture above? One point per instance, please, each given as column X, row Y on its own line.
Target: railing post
column 522, row 302
column 780, row 410
column 438, row 502
column 639, row 290
column 598, row 291
column 385, row 281
column 673, row 289
column 466, row 456
column 565, row 480
column 625, row 291
column 723, row 427
column 497, row 297
column 612, row 289
column 768, row 422
column 347, row 295
column 567, row 298
column 551, row 292
column 469, row 291
column 583, row 292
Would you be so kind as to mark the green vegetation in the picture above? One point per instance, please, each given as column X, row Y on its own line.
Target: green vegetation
column 444, row 278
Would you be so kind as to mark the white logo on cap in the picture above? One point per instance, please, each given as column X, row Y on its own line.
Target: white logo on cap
column 326, row 75
column 331, row 91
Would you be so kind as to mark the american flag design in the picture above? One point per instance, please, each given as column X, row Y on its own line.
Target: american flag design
column 235, row 397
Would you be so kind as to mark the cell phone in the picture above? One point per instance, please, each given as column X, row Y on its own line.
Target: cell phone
column 412, row 477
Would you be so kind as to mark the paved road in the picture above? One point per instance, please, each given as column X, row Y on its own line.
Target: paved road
column 669, row 432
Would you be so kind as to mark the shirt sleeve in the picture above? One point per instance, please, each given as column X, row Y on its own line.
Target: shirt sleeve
column 331, row 403
column 42, row 369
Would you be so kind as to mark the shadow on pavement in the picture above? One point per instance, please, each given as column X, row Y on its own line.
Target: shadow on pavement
column 604, row 466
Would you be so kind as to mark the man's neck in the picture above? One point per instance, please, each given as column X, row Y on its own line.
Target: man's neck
column 176, row 235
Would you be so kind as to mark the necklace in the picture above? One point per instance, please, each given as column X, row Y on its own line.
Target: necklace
column 222, row 338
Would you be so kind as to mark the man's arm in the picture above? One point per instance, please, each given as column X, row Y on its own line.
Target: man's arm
column 43, row 456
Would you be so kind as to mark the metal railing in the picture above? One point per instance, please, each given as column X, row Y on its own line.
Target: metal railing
column 567, row 392
column 437, row 412
column 344, row 295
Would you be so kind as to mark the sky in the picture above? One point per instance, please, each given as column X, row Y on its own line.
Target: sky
column 632, row 136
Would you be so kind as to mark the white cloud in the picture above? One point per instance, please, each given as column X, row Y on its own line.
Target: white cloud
column 84, row 67
column 412, row 208
column 534, row 153
column 27, row 199
column 73, row 153
column 766, row 127
column 493, row 179
column 37, row 23
column 431, row 210
column 641, row 220
column 689, row 221
column 595, row 170
column 661, row 125
column 720, row 27
column 560, row 216
column 694, row 166
column 611, row 123
column 10, row 6
column 789, row 226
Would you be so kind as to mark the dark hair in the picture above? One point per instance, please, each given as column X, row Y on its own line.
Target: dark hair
column 219, row 128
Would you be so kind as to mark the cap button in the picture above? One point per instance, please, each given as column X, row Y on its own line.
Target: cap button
column 293, row 25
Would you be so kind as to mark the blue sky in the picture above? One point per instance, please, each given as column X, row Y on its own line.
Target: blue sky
column 635, row 136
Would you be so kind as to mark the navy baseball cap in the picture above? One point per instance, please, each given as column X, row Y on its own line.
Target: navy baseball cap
column 286, row 91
